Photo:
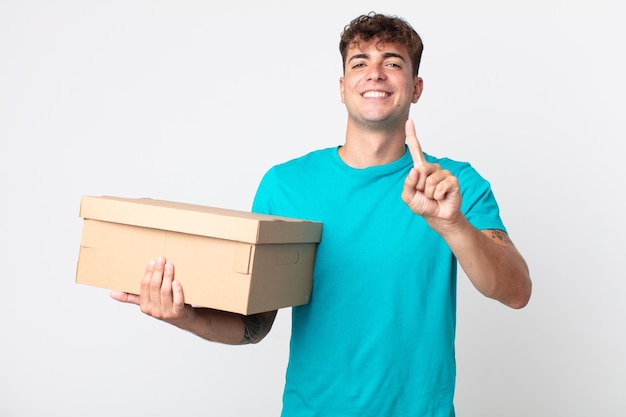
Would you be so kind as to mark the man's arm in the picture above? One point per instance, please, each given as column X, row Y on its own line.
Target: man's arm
column 491, row 262
column 162, row 297
column 488, row 257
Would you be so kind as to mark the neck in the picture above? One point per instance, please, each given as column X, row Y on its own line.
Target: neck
column 366, row 147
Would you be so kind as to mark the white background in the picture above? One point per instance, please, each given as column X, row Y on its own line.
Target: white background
column 191, row 101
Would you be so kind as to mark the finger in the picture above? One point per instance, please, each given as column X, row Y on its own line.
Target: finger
column 413, row 144
column 434, row 181
column 175, row 291
column 125, row 297
column 156, row 280
column 408, row 191
column 178, row 297
column 144, row 293
column 166, row 285
column 448, row 185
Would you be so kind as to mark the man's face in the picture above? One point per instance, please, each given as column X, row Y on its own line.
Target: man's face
column 378, row 84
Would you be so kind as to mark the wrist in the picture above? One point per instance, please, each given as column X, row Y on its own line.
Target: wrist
column 450, row 226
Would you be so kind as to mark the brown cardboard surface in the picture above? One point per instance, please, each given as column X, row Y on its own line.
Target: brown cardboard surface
column 225, row 259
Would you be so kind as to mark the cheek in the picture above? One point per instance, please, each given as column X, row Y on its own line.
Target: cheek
column 348, row 89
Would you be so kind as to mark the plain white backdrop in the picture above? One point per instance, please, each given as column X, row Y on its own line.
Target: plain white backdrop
column 193, row 101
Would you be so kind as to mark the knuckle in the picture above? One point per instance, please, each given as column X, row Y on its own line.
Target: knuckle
column 155, row 284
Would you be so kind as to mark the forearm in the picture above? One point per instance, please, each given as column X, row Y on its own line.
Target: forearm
column 491, row 262
column 228, row 328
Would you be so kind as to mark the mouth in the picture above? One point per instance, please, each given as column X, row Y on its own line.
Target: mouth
column 375, row 94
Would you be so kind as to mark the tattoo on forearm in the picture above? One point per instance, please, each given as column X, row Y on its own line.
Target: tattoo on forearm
column 500, row 235
column 251, row 329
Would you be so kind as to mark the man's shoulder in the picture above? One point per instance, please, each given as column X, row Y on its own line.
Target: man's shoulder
column 447, row 163
column 314, row 157
column 458, row 168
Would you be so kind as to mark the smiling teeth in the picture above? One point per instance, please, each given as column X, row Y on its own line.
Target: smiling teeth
column 375, row 94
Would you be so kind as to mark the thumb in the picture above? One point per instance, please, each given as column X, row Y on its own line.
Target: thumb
column 124, row 297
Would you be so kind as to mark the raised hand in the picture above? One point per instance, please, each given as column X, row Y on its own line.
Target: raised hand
column 429, row 190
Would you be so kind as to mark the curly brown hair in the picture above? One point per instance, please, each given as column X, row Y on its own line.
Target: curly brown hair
column 385, row 28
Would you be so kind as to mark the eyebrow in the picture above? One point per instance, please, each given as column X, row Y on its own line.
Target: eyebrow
column 385, row 55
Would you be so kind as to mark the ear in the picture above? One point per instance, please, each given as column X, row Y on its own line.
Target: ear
column 418, row 87
column 341, row 89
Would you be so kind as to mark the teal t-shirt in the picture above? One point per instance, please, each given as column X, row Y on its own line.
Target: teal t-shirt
column 377, row 337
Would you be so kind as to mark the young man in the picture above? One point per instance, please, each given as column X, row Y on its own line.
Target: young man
column 377, row 338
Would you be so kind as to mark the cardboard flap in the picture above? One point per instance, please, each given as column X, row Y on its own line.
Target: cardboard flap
column 242, row 259
column 287, row 257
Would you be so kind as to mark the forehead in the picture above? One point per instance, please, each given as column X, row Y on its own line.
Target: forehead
column 359, row 46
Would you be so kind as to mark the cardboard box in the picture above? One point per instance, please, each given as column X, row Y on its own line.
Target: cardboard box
column 224, row 259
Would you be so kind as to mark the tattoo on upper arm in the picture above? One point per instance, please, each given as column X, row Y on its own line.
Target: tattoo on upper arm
column 251, row 329
column 501, row 236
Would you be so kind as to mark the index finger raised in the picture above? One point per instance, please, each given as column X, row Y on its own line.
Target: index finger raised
column 413, row 144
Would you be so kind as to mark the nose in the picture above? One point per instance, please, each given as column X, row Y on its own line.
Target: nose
column 375, row 72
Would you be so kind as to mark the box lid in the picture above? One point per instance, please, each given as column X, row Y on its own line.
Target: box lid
column 200, row 220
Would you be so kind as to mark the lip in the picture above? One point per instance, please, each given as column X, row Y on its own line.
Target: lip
column 375, row 94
